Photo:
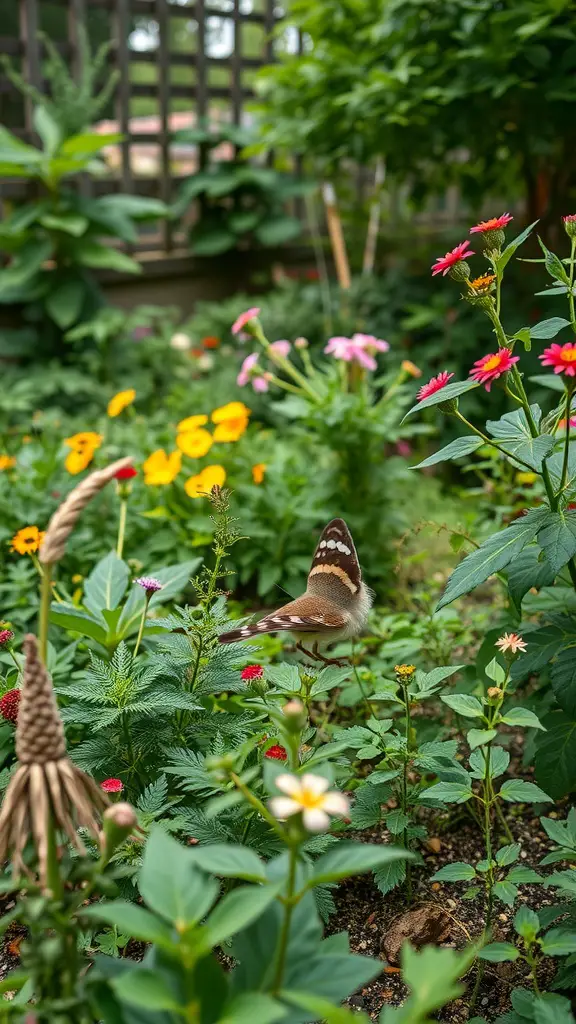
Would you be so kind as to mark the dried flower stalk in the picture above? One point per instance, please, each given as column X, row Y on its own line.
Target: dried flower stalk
column 47, row 787
column 64, row 519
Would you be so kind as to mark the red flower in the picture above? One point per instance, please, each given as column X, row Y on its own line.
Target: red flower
column 211, row 341
column 276, row 752
column 9, row 705
column 6, row 635
column 244, row 319
column 112, row 785
column 128, row 473
column 561, row 357
column 490, row 367
column 494, row 224
column 445, row 263
column 434, row 385
column 252, row 672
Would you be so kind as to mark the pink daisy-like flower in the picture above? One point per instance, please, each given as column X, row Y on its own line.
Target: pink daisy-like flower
column 245, row 318
column 434, row 385
column 277, row 753
column 252, row 672
column 492, row 366
column 511, row 642
column 445, row 263
column 494, row 224
column 358, row 348
column 281, row 347
column 248, row 375
column 561, row 357
column 149, row 583
column 112, row 785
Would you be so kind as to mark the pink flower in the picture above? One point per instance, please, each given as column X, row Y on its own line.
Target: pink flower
column 561, row 357
column 494, row 224
column 6, row 635
column 281, row 347
column 511, row 642
column 112, row 785
column 358, row 348
column 404, row 449
column 244, row 319
column 445, row 263
column 370, row 343
column 252, row 672
column 434, row 385
column 562, row 423
column 149, row 583
column 9, row 705
column 492, row 366
column 570, row 218
column 248, row 374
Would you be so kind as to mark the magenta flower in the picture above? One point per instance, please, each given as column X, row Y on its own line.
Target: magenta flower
column 249, row 374
column 281, row 347
column 149, row 583
column 244, row 319
column 561, row 357
column 494, row 224
column 358, row 348
column 434, row 385
column 445, row 263
column 112, row 785
column 492, row 366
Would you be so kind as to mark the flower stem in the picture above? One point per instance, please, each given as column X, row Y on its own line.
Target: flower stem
column 284, row 364
column 490, row 441
column 45, row 593
column 142, row 623
column 564, row 476
column 285, row 931
column 570, row 291
column 121, row 527
column 405, row 841
column 257, row 804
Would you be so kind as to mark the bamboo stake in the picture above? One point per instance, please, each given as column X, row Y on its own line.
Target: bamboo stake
column 374, row 221
column 336, row 237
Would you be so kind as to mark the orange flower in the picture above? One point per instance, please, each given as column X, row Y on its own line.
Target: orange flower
column 200, row 485
column 411, row 368
column 7, row 462
column 231, row 411
column 258, row 472
column 160, row 468
column 121, row 401
column 86, row 439
column 194, row 443
column 28, row 540
column 192, row 423
column 76, row 461
column 211, row 341
column 231, row 430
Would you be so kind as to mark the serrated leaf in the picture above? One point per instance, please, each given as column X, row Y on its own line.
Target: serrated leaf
column 390, row 875
column 555, row 759
column 508, row 854
column 499, row 761
column 448, row 793
column 557, row 538
column 518, row 791
column 563, row 676
column 455, row 450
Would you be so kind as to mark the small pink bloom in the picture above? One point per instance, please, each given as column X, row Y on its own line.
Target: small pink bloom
column 561, row 357
column 112, row 785
column 248, row 365
column 494, row 224
column 281, row 347
column 434, row 385
column 357, row 349
column 570, row 218
column 260, row 384
column 370, row 343
column 511, row 642
column 340, row 348
column 244, row 319
column 403, row 448
column 10, row 704
column 444, row 263
column 149, row 583
column 6, row 635
column 492, row 366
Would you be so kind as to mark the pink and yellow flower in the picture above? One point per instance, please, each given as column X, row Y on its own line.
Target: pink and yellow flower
column 492, row 366
column 494, row 224
column 244, row 319
column 445, row 263
column 434, row 385
column 199, row 486
column 511, row 642
column 561, row 357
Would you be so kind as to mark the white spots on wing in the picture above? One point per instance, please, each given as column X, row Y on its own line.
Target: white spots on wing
column 343, row 548
column 322, row 543
column 331, row 544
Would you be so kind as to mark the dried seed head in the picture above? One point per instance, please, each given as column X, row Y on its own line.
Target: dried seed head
column 40, row 733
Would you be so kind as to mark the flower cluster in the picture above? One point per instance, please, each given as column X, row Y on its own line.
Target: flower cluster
column 149, row 583
column 83, row 446
column 252, row 672
column 360, row 348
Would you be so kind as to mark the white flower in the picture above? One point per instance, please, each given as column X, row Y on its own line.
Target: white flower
column 307, row 795
column 511, row 642
column 180, row 341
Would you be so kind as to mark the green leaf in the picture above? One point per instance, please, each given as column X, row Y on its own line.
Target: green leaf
column 146, row 988
column 563, row 676
column 495, row 672
column 229, row 861
column 520, row 875
column 448, row 793
column 555, row 758
column 390, row 875
column 69, row 617
column 89, row 142
column 506, row 891
column 459, row 871
column 252, row 1008
column 211, row 241
column 499, row 761
column 172, row 885
column 14, row 981
column 134, row 207
column 552, row 1009
column 106, row 584
column 558, row 942
column 554, row 265
column 432, row 975
column 523, row 717
column 499, row 952
column 93, row 254
column 70, row 223
column 64, row 303
column 523, row 335
column 47, row 128
column 494, row 554
column 278, row 230
column 455, row 450
column 526, row 923
column 463, row 704
column 518, row 792
column 549, row 328
column 508, row 854
column 557, row 538
column 322, row 1009
column 512, row 246
column 237, row 910
column 131, row 919
column 347, row 859
column 479, row 737
column 452, row 390
column 529, row 569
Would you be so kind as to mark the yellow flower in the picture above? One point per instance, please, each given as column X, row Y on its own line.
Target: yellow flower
column 77, row 461
column 86, row 439
column 258, row 472
column 7, row 462
column 194, row 443
column 28, row 540
column 411, row 368
column 231, row 430
column 526, row 478
column 200, row 485
column 160, row 468
column 192, row 423
column 231, row 411
column 120, row 402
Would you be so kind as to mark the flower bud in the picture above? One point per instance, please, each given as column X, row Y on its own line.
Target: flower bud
column 295, row 715
column 449, row 408
column 570, row 225
column 460, row 271
column 301, row 343
column 494, row 692
column 492, row 241
column 118, row 821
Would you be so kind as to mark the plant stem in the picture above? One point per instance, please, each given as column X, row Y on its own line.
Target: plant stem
column 45, row 593
column 14, row 658
column 257, row 804
column 490, row 441
column 564, row 476
column 487, row 794
column 285, row 931
column 570, row 292
column 405, row 841
column 142, row 623
column 505, row 825
column 285, row 364
column 121, row 527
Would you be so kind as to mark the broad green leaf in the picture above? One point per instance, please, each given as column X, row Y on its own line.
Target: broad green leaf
column 14, row 151
column 557, row 538
column 278, row 230
column 328, row 679
column 517, row 791
column 146, row 988
column 543, row 645
column 549, row 380
column 172, row 885
column 88, row 143
column 549, row 328
column 64, row 303
column 237, row 910
column 106, row 584
column 322, row 1009
column 558, row 942
column 390, row 875
column 479, row 737
column 132, row 920
column 498, row 762
column 494, row 554
column 351, row 858
column 432, row 975
column 463, row 704
column 499, row 952
column 555, row 759
column 552, row 1009
column 229, row 860
column 563, row 675
column 526, row 923
column 252, row 1008
column 452, row 390
column 69, row 617
column 455, row 450
column 47, row 128
column 93, row 254
column 529, row 569
column 14, row 981
column 522, row 716
column 448, row 793
column 520, row 875
column 506, row 891
column 71, row 223
column 456, row 872
column 508, row 854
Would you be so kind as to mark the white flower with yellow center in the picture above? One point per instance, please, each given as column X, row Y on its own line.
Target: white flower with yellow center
column 307, row 795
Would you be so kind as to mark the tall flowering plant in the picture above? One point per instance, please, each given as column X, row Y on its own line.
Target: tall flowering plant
column 538, row 549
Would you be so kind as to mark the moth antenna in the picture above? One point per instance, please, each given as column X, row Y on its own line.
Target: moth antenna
column 284, row 591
